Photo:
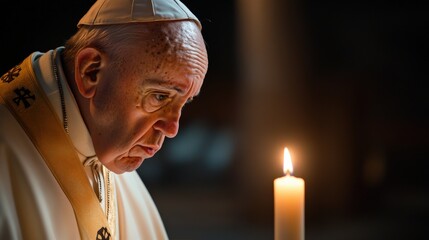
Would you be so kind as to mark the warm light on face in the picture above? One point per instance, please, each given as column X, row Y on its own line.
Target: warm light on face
column 287, row 162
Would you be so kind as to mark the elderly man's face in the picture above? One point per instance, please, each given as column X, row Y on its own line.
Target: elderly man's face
column 139, row 103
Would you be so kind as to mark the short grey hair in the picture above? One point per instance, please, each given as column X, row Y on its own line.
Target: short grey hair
column 110, row 39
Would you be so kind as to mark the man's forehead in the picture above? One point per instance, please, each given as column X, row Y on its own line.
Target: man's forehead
column 182, row 50
column 173, row 30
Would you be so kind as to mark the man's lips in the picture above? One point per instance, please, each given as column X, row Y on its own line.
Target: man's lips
column 150, row 151
column 143, row 151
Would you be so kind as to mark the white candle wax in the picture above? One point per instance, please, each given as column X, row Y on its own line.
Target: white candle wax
column 289, row 206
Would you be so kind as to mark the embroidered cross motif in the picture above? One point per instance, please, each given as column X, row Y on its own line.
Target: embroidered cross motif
column 11, row 74
column 23, row 95
column 103, row 234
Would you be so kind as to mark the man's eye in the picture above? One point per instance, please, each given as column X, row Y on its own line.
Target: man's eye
column 160, row 97
column 154, row 101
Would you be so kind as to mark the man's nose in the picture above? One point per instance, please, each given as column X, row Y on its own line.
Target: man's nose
column 169, row 125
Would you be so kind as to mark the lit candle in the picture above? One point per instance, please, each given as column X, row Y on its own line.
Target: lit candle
column 288, row 204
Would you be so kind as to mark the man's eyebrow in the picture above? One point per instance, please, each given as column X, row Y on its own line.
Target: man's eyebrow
column 164, row 84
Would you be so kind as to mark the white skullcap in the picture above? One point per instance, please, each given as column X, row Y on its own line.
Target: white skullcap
column 107, row 12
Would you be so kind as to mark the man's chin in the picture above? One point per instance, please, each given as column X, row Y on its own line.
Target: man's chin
column 125, row 164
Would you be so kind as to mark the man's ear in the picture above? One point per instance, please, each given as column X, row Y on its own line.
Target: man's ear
column 88, row 63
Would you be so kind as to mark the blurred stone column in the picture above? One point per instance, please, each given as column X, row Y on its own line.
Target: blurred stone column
column 271, row 99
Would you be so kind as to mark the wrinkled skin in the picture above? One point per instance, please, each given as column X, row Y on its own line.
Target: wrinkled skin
column 130, row 105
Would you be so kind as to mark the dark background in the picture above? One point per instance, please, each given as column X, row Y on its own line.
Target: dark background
column 342, row 83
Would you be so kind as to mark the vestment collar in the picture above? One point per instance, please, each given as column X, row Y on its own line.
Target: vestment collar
column 78, row 132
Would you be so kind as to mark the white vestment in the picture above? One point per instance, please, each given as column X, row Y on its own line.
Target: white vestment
column 32, row 203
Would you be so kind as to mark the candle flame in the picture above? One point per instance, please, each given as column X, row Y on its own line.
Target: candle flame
column 287, row 162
